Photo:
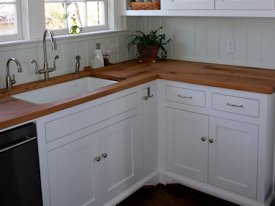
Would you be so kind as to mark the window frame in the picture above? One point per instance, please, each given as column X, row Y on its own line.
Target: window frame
column 18, row 20
column 86, row 29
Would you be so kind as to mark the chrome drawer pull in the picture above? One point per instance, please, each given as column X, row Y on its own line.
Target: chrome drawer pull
column 185, row 97
column 235, row 105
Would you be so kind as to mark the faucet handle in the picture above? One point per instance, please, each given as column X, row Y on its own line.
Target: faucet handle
column 33, row 61
column 13, row 81
column 77, row 64
column 54, row 61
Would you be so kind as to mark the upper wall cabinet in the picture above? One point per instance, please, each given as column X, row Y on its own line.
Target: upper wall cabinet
column 243, row 4
column 189, row 4
column 214, row 8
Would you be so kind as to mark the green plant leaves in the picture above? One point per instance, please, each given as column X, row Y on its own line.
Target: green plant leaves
column 147, row 40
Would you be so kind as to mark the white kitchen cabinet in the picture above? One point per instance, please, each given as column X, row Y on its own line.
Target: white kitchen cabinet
column 217, row 140
column 90, row 153
column 230, row 148
column 189, row 4
column 74, row 173
column 187, row 145
column 221, row 4
column 120, row 157
column 96, row 167
column 233, row 155
column 213, row 8
column 244, row 4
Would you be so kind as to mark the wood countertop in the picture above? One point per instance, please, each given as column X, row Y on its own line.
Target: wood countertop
column 129, row 74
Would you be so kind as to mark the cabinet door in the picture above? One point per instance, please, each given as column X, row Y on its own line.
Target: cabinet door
column 119, row 168
column 244, row 4
column 233, row 155
column 74, row 174
column 189, row 4
column 187, row 145
column 148, row 131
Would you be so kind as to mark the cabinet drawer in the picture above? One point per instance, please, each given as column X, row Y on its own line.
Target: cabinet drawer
column 74, row 122
column 237, row 105
column 185, row 96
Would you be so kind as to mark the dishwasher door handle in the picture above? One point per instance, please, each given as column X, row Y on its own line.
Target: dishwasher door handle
column 18, row 144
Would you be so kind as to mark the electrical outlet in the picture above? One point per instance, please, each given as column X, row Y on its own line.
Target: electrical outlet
column 230, row 45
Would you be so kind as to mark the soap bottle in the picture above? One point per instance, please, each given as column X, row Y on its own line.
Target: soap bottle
column 99, row 55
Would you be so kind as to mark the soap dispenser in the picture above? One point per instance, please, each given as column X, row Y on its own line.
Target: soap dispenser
column 98, row 61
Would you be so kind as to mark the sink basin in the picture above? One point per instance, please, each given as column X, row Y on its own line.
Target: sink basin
column 63, row 90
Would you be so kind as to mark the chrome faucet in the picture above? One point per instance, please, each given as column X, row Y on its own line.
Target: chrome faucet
column 11, row 80
column 46, row 69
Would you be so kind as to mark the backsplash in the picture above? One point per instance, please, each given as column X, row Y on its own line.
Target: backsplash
column 205, row 39
column 67, row 49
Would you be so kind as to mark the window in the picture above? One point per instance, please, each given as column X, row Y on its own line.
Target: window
column 10, row 23
column 89, row 15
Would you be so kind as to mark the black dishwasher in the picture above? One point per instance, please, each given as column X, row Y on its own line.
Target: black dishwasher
column 19, row 167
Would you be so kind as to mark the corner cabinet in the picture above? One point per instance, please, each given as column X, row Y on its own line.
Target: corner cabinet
column 218, row 140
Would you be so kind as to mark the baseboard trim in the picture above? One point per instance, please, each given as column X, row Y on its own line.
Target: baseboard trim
column 132, row 189
column 167, row 177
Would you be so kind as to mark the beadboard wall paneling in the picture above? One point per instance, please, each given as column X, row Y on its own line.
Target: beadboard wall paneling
column 204, row 39
column 67, row 49
column 196, row 39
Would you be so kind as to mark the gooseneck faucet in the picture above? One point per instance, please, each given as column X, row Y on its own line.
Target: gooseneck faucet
column 46, row 69
column 11, row 80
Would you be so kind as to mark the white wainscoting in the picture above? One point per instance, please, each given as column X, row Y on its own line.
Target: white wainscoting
column 204, row 39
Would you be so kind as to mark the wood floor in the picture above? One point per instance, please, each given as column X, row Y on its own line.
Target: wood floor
column 172, row 195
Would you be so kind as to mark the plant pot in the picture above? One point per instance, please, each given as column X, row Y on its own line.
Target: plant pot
column 149, row 54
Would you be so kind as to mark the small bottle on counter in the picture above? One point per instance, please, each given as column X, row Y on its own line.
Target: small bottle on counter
column 98, row 60
column 106, row 57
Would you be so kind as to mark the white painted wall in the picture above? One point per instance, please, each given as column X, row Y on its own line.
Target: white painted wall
column 204, row 39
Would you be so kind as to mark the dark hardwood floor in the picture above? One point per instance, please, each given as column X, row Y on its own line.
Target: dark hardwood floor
column 172, row 195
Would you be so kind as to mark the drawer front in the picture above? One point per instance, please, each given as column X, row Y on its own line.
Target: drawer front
column 237, row 105
column 185, row 96
column 85, row 118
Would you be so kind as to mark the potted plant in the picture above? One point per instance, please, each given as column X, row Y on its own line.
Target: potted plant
column 148, row 45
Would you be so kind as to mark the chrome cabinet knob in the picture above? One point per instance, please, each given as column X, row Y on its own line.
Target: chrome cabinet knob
column 97, row 159
column 203, row 139
column 104, row 155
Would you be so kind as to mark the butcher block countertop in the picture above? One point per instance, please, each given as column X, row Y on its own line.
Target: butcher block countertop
column 132, row 73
